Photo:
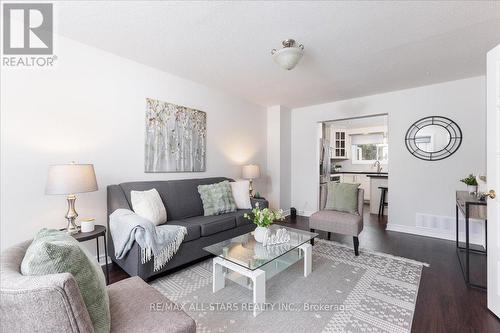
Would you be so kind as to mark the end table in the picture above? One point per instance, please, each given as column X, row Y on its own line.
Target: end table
column 98, row 232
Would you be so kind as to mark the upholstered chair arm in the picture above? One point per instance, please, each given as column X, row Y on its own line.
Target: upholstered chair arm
column 361, row 201
column 48, row 303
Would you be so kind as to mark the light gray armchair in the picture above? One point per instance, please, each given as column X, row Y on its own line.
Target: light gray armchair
column 339, row 222
column 53, row 303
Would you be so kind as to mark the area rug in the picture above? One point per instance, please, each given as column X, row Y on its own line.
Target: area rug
column 373, row 292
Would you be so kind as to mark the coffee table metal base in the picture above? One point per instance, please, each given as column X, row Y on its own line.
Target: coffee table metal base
column 257, row 276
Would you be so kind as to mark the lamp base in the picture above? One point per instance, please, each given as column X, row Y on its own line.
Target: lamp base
column 250, row 188
column 72, row 228
column 71, row 215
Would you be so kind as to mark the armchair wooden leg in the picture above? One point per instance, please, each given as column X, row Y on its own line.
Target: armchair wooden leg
column 356, row 245
column 312, row 240
column 329, row 235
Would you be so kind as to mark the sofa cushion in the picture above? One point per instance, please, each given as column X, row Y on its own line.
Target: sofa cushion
column 217, row 198
column 210, row 225
column 238, row 215
column 180, row 197
column 138, row 307
column 193, row 229
column 53, row 252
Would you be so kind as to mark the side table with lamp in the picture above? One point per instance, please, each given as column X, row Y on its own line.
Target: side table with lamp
column 69, row 179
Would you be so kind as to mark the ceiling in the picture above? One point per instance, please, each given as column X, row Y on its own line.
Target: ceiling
column 351, row 48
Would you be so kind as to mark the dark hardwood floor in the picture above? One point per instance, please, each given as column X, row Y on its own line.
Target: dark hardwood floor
column 444, row 303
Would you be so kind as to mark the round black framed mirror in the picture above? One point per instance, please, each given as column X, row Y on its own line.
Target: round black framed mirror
column 433, row 138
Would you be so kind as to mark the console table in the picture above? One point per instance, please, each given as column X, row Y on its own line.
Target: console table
column 471, row 207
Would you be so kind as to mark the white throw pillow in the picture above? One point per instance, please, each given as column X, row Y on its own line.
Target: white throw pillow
column 241, row 194
column 148, row 204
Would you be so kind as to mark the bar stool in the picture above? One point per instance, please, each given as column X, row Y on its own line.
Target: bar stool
column 383, row 202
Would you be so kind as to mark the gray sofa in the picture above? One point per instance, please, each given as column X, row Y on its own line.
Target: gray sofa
column 184, row 207
column 53, row 303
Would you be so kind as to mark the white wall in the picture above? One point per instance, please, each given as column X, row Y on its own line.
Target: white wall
column 279, row 157
column 286, row 159
column 273, row 156
column 415, row 186
column 90, row 108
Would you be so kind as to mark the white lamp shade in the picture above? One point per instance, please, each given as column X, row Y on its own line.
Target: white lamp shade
column 288, row 57
column 71, row 179
column 251, row 171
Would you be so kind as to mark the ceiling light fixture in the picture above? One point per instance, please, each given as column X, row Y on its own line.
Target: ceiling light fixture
column 289, row 56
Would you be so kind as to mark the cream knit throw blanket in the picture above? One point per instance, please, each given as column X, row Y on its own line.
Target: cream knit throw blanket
column 160, row 242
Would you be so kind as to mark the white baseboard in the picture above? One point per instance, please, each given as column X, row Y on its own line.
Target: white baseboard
column 434, row 233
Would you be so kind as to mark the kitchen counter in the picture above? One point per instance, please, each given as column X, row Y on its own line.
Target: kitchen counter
column 360, row 173
column 375, row 175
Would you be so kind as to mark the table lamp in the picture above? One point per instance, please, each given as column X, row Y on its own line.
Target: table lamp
column 69, row 179
column 250, row 172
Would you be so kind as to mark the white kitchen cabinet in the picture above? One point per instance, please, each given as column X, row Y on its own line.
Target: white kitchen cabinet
column 365, row 185
column 339, row 143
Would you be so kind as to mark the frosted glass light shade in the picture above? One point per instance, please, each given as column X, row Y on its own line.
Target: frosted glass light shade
column 288, row 57
column 71, row 179
column 251, row 171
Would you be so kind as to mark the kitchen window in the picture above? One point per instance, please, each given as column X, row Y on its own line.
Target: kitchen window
column 368, row 148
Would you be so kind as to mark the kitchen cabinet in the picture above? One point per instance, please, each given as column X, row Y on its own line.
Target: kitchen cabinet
column 339, row 143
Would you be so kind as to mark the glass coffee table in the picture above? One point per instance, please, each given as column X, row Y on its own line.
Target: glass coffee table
column 249, row 263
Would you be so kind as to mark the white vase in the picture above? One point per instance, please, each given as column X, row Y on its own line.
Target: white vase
column 472, row 188
column 260, row 233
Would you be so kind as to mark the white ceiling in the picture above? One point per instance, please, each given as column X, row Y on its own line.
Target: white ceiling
column 351, row 48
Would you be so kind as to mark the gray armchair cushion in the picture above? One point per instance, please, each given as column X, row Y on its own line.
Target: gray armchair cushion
column 338, row 222
column 136, row 307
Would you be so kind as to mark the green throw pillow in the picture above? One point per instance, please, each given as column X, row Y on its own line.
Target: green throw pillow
column 217, row 198
column 342, row 197
column 52, row 252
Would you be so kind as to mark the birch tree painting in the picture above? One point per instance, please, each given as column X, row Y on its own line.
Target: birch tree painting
column 175, row 138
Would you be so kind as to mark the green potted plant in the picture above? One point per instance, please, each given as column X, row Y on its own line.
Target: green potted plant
column 263, row 218
column 471, row 183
